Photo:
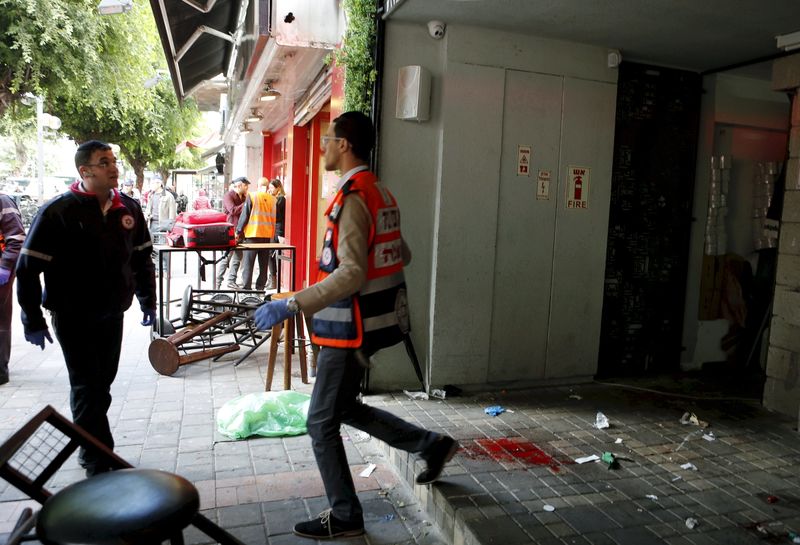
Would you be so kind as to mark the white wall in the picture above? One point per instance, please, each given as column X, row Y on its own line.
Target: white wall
column 445, row 173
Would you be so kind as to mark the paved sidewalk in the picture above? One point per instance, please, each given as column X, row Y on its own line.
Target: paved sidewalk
column 495, row 491
column 257, row 489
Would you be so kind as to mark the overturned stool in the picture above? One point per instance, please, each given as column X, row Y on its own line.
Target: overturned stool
column 165, row 356
column 290, row 325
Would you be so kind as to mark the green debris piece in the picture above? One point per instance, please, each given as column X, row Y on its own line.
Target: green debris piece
column 610, row 459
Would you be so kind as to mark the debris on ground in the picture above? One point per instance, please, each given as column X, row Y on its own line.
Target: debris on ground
column 689, row 466
column 388, row 517
column 549, row 508
column 618, row 441
column 416, row 395
column 585, row 459
column 575, row 396
column 438, row 394
column 610, row 459
column 691, row 523
column 494, row 410
column 601, row 421
column 367, row 471
column 709, row 436
column 691, row 418
column 652, row 497
column 772, row 499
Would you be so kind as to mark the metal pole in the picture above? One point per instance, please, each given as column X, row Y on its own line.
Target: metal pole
column 40, row 146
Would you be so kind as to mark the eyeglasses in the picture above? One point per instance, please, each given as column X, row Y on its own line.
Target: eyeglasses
column 105, row 164
column 326, row 139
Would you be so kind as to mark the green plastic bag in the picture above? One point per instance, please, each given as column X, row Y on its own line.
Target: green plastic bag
column 269, row 414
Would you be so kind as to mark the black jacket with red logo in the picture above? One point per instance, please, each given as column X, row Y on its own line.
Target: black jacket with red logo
column 93, row 264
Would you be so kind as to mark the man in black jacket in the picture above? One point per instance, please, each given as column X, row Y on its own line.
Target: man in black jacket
column 93, row 246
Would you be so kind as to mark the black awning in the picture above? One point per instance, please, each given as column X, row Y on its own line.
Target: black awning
column 197, row 45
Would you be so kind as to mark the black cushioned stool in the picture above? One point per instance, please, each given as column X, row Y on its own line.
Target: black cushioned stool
column 125, row 507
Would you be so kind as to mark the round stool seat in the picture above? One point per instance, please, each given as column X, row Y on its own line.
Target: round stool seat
column 129, row 506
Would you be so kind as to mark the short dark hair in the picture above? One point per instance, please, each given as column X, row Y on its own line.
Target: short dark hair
column 357, row 129
column 85, row 151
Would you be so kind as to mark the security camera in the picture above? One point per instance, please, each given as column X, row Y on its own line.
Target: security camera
column 436, row 29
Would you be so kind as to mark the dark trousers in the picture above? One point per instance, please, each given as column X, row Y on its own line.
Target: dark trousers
column 6, row 300
column 248, row 264
column 334, row 401
column 91, row 350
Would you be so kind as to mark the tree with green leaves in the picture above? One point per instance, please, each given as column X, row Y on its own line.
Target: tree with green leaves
column 91, row 70
column 357, row 54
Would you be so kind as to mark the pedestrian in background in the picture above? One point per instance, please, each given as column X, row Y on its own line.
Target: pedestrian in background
column 359, row 306
column 161, row 207
column 12, row 235
column 232, row 205
column 276, row 190
column 93, row 247
column 257, row 224
column 201, row 202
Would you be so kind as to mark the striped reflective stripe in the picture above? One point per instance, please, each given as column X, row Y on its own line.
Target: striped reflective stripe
column 34, row 253
column 333, row 314
column 143, row 246
column 383, row 283
column 380, row 322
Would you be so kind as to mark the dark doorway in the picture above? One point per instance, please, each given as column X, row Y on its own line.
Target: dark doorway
column 650, row 220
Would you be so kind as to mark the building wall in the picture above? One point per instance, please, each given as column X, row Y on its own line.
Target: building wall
column 782, row 388
column 449, row 174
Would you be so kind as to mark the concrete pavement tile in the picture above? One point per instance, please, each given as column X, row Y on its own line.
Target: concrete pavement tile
column 717, row 501
column 240, row 515
column 586, row 518
column 498, row 530
column 634, row 536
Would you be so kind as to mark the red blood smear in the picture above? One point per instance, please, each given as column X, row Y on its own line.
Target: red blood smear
column 514, row 449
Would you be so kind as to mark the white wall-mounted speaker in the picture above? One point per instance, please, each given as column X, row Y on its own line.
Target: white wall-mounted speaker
column 413, row 93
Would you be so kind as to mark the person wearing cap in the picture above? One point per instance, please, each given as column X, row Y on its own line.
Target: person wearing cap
column 129, row 189
column 92, row 245
column 256, row 225
column 232, row 205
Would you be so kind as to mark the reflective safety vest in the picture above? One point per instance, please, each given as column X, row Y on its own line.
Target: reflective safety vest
column 377, row 315
column 261, row 223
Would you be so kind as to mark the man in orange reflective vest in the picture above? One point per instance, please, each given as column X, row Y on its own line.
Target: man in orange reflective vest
column 359, row 306
column 257, row 224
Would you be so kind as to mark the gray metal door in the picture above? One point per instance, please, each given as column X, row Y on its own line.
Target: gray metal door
column 525, row 227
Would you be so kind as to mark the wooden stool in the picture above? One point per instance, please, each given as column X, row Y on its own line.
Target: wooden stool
column 289, row 325
column 165, row 356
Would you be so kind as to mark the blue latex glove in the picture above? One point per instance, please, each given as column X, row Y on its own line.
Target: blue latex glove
column 149, row 317
column 5, row 274
column 37, row 337
column 269, row 314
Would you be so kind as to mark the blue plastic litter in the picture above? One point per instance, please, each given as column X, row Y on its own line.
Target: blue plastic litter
column 388, row 517
column 494, row 410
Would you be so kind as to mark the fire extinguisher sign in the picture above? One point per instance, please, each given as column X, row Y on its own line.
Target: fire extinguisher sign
column 577, row 187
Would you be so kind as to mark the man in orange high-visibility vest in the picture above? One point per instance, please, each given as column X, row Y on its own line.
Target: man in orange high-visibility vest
column 257, row 224
column 359, row 306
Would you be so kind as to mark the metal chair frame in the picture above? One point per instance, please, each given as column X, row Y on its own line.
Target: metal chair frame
column 32, row 455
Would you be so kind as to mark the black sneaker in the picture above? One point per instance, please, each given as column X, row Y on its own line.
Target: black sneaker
column 437, row 456
column 326, row 526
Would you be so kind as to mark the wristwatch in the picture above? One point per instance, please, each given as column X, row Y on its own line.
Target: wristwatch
column 292, row 305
